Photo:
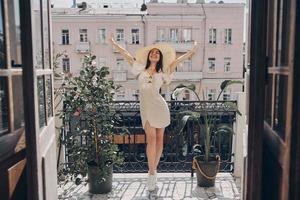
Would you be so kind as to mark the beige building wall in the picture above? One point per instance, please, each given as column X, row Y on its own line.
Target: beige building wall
column 182, row 24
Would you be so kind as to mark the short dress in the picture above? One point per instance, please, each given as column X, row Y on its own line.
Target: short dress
column 153, row 107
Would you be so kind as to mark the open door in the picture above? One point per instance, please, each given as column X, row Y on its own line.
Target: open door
column 38, row 98
column 273, row 141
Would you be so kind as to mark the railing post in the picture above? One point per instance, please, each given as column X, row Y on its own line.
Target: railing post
column 239, row 136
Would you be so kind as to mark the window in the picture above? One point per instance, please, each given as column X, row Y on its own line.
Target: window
column 120, row 64
column 65, row 36
column 227, row 64
column 83, row 35
column 101, row 62
column 120, row 95
column 135, row 95
column 187, row 35
column 211, row 64
column 186, row 95
column 174, row 35
column 211, row 94
column 185, row 66
column 119, row 76
column 161, row 35
column 226, row 95
column 228, row 36
column 66, row 65
column 212, row 36
column 102, row 36
column 120, row 34
column 135, row 36
column 82, row 60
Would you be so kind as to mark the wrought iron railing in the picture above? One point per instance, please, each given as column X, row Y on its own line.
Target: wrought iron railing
column 177, row 154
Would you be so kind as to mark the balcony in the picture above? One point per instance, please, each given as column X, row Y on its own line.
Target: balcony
column 179, row 46
column 83, row 47
column 190, row 76
column 171, row 186
column 119, row 75
column 175, row 168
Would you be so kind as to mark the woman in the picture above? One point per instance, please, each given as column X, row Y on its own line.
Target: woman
column 153, row 66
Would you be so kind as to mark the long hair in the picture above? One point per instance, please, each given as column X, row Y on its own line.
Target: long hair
column 159, row 65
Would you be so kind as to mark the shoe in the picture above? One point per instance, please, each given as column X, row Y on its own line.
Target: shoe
column 151, row 182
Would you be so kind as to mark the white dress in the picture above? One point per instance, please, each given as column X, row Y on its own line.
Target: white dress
column 153, row 107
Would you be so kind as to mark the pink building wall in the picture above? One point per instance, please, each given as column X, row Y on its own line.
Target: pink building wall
column 160, row 15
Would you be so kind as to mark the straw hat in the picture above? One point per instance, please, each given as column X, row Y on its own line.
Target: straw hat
column 168, row 52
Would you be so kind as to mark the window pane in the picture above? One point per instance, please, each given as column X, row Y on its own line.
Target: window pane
column 281, row 83
column 46, row 34
column 37, row 32
column 65, row 36
column 174, row 35
column 83, row 35
column 3, row 105
column 2, row 38
column 15, row 33
column 18, row 101
column 268, row 100
column 41, row 100
column 120, row 34
column 66, row 65
column 49, row 96
column 187, row 35
column 284, row 49
column 102, row 36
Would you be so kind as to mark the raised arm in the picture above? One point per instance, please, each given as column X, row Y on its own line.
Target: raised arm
column 183, row 57
column 124, row 52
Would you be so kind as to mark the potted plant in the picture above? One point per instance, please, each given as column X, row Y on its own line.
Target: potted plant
column 88, row 107
column 205, row 161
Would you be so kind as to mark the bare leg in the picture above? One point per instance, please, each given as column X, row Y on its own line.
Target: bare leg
column 159, row 144
column 151, row 147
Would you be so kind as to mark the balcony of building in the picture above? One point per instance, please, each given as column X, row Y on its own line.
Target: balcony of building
column 179, row 46
column 83, row 47
column 191, row 76
column 176, row 179
column 119, row 75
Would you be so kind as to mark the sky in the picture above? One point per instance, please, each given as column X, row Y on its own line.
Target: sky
column 68, row 3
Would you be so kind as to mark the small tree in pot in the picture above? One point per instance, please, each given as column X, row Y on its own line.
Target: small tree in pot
column 205, row 161
column 88, row 105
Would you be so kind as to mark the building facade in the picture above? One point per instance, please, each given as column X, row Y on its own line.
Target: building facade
column 216, row 27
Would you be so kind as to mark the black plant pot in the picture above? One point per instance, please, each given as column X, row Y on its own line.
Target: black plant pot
column 96, row 183
column 206, row 171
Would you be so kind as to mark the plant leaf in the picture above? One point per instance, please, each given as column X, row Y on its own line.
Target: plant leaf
column 185, row 118
column 223, row 128
column 180, row 88
column 176, row 92
column 233, row 106
column 227, row 83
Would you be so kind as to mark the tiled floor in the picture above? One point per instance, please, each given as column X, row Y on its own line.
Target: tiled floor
column 171, row 186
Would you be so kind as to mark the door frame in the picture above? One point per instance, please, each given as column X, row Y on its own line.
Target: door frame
column 257, row 20
column 258, row 72
column 30, row 117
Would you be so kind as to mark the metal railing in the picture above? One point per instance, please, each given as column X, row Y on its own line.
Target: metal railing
column 177, row 154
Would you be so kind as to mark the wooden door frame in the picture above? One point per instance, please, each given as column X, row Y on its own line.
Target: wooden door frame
column 294, row 193
column 258, row 16
column 29, row 89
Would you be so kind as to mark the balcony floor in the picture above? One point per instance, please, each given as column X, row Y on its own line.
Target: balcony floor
column 171, row 186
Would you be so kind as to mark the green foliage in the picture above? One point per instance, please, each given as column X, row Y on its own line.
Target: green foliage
column 89, row 96
column 211, row 126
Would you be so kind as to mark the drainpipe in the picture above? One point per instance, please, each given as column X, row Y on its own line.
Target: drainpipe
column 144, row 28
